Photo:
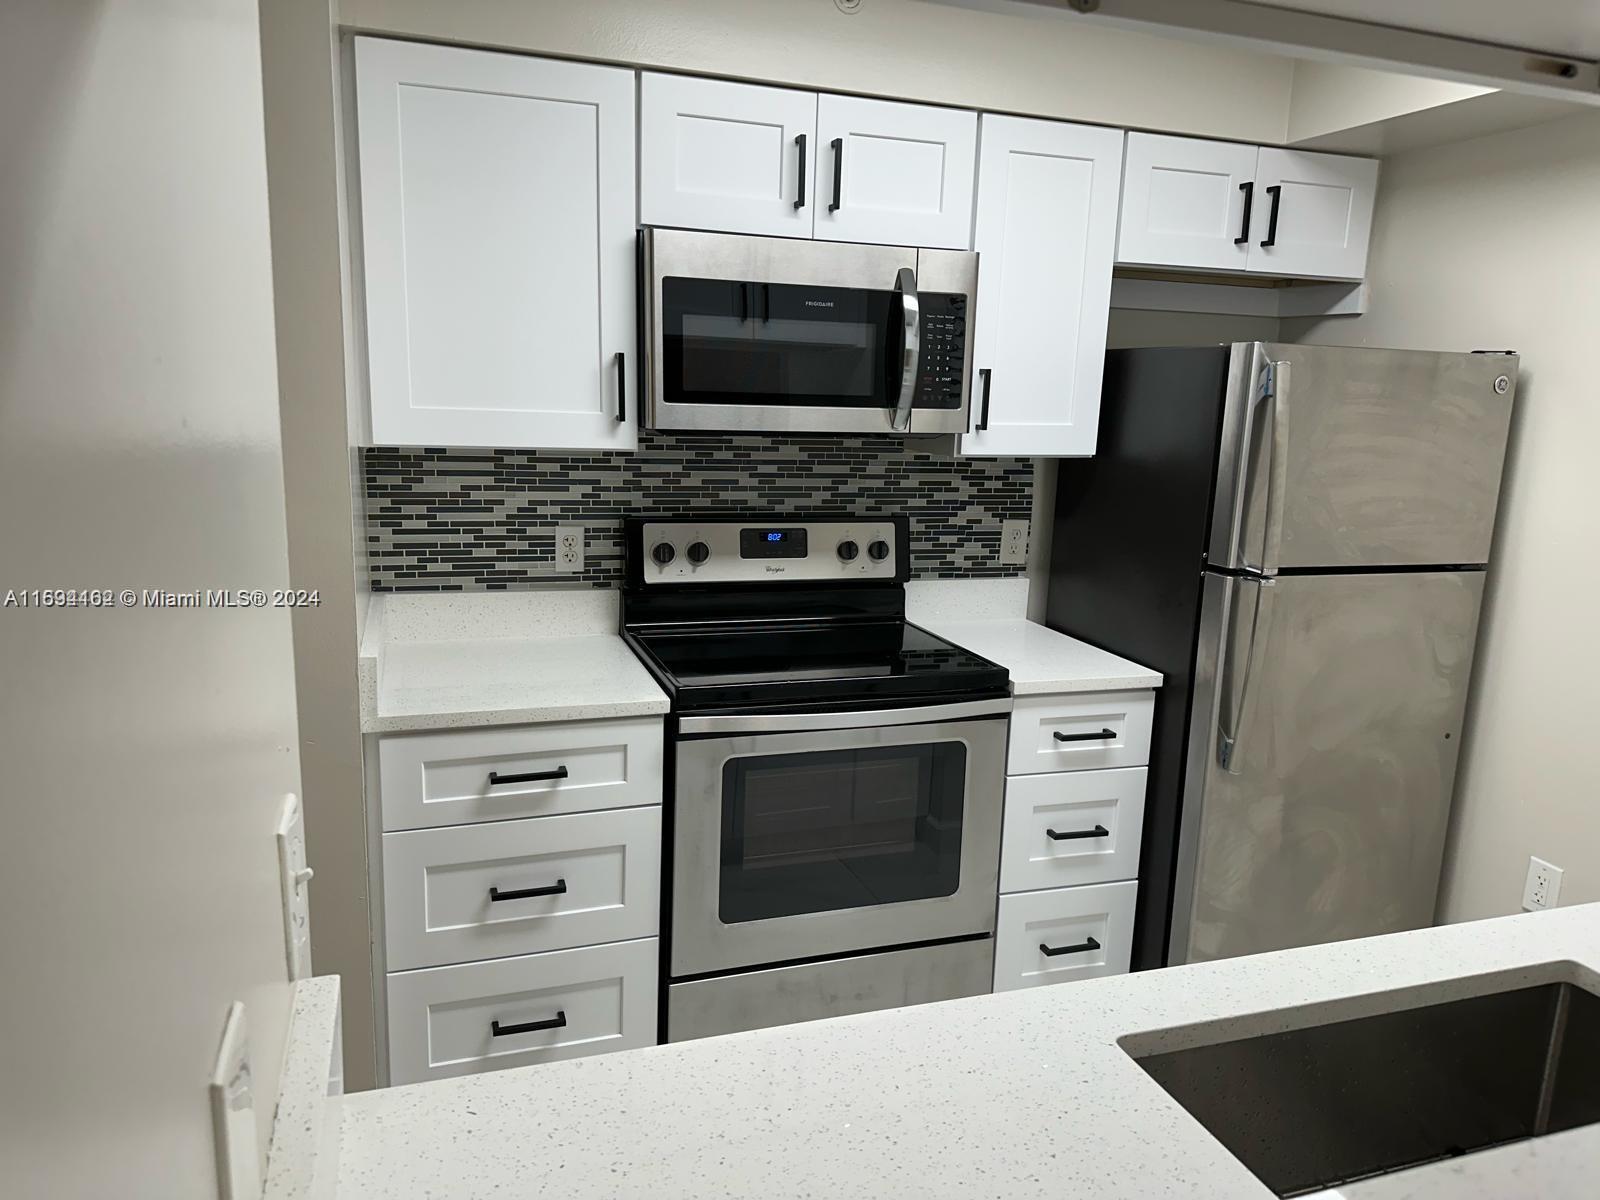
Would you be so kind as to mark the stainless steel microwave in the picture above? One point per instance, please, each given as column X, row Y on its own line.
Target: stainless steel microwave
column 784, row 335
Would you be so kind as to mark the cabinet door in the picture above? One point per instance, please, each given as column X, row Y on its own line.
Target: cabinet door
column 1046, row 233
column 498, row 247
column 731, row 157
column 896, row 174
column 1187, row 203
column 1324, row 214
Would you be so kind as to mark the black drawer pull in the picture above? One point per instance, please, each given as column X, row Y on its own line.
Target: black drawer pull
column 527, row 776
column 1051, row 951
column 558, row 888
column 1104, row 735
column 1073, row 834
column 556, row 1022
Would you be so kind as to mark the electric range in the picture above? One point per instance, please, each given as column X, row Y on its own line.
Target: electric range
column 835, row 773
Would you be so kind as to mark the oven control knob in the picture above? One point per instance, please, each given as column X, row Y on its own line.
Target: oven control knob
column 878, row 551
column 663, row 553
column 848, row 550
column 699, row 552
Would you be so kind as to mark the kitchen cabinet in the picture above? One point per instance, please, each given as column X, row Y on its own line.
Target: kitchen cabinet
column 895, row 174
column 1222, row 206
column 498, row 249
column 1046, row 231
column 744, row 158
column 733, row 157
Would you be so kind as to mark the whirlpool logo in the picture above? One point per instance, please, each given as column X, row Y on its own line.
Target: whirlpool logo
column 774, row 569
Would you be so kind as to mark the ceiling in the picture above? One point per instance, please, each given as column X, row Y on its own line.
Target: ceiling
column 1568, row 27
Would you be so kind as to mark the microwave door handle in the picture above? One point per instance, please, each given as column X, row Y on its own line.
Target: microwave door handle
column 911, row 356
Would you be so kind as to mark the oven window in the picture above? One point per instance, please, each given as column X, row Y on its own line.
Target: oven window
column 824, row 830
column 730, row 342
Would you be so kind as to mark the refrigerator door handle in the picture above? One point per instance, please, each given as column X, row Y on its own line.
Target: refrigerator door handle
column 1273, row 385
column 1234, row 695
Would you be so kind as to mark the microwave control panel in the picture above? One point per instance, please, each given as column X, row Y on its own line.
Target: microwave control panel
column 940, row 373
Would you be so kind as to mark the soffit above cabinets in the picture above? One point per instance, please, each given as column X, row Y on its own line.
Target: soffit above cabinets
column 1549, row 26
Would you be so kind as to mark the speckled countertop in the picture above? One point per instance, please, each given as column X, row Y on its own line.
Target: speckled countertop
column 1022, row 1094
column 507, row 658
column 1043, row 661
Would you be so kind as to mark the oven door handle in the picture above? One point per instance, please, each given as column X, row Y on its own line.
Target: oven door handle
column 911, row 353
column 789, row 722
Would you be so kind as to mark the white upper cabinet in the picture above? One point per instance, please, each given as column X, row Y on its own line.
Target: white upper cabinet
column 895, row 174
column 1046, row 235
column 1187, row 202
column 1313, row 214
column 732, row 157
column 498, row 247
column 1222, row 206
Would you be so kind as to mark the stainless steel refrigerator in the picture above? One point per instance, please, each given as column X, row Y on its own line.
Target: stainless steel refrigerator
column 1296, row 536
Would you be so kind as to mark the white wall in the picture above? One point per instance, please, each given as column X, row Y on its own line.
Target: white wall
column 1034, row 63
column 305, row 174
column 1494, row 244
column 143, row 753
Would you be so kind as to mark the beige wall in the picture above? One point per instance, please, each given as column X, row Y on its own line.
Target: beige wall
column 144, row 752
column 299, row 45
column 907, row 49
column 1493, row 244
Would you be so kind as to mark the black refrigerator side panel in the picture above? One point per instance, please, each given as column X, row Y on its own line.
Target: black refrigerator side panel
column 1131, row 530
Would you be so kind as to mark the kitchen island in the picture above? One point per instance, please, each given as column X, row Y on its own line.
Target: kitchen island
column 1021, row 1094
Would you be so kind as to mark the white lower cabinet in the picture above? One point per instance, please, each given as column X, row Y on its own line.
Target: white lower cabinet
column 1063, row 934
column 520, row 870
column 1072, row 827
column 514, row 1012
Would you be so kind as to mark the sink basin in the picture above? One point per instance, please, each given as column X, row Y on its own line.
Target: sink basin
column 1329, row 1103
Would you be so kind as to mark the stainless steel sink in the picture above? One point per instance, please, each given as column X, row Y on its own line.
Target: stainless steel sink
column 1313, row 1107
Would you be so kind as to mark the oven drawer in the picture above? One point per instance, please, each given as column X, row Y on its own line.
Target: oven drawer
column 1079, row 732
column 599, row 875
column 1090, row 928
column 1071, row 827
column 429, row 779
column 442, row 1021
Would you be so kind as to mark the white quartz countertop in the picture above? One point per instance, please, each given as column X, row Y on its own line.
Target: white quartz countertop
column 1021, row 1094
column 499, row 659
column 1041, row 660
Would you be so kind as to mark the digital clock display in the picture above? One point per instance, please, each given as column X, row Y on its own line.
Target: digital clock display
column 756, row 542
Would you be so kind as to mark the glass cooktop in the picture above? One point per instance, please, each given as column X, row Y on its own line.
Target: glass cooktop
column 715, row 667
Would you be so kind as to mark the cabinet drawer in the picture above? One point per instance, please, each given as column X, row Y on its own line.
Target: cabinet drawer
column 1072, row 827
column 1080, row 732
column 597, row 878
column 443, row 778
column 1090, row 929
column 588, row 1001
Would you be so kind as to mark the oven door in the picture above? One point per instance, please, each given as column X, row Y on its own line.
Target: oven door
column 781, row 335
column 798, row 836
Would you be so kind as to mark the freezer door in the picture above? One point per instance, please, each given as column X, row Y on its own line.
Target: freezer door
column 1322, row 755
column 1360, row 458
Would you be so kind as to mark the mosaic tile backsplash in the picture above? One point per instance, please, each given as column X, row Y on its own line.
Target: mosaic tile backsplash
column 483, row 520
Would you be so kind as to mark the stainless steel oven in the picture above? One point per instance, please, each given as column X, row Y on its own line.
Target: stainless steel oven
column 780, row 335
column 803, row 835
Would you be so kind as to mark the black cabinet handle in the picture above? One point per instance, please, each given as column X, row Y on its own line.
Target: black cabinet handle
column 983, row 407
column 622, row 386
column 1249, row 190
column 744, row 303
column 838, row 171
column 1276, row 193
column 1074, row 834
column 527, row 776
column 556, row 1022
column 800, row 191
column 1051, row 951
column 558, row 888
column 1103, row 736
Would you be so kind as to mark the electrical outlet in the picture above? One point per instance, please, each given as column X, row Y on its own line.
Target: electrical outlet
column 233, row 1113
column 1013, row 543
column 1543, row 888
column 293, row 876
column 569, row 549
